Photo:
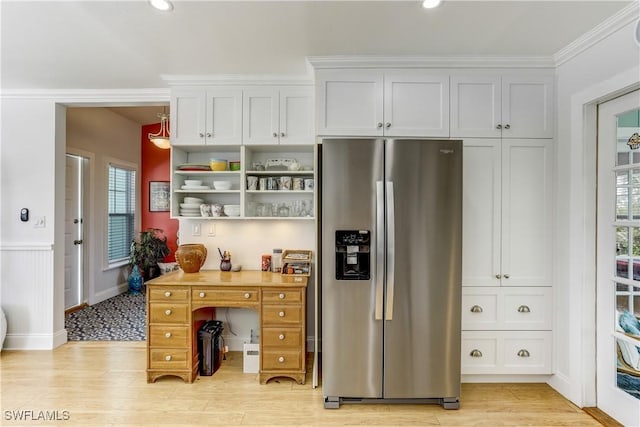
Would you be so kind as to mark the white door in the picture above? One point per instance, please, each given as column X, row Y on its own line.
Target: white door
column 296, row 116
column 618, row 260
column 188, row 116
column 260, row 116
column 527, row 107
column 73, row 266
column 224, row 116
column 476, row 106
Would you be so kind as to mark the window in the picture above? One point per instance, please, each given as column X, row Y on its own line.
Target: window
column 122, row 209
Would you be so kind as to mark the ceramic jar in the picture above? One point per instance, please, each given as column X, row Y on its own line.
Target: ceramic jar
column 191, row 257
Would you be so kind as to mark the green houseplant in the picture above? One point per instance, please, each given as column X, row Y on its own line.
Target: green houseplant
column 147, row 251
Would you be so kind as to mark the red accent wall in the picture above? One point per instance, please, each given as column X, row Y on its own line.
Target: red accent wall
column 156, row 167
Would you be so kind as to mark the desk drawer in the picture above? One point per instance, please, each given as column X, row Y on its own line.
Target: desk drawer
column 225, row 297
column 282, row 337
column 168, row 336
column 169, row 313
column 168, row 359
column 281, row 314
column 168, row 294
column 285, row 360
column 283, row 296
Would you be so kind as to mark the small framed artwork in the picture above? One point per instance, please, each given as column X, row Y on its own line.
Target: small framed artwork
column 159, row 196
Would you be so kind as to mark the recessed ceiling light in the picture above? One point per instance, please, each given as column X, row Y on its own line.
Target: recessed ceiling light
column 161, row 4
column 430, row 4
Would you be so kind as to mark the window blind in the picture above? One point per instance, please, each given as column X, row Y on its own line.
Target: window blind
column 122, row 206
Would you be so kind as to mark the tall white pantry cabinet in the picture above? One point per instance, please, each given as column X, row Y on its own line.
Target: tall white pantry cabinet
column 506, row 121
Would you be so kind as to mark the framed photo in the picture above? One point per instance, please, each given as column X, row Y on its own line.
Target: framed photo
column 159, row 196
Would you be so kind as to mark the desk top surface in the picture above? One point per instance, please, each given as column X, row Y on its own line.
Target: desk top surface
column 229, row 278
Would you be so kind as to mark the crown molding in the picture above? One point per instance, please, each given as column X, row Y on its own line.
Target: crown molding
column 320, row 62
column 237, row 79
column 121, row 97
column 600, row 32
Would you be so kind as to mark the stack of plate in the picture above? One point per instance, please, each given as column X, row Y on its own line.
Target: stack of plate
column 191, row 207
column 232, row 210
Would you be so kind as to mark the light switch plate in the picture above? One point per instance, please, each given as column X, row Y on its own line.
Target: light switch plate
column 195, row 229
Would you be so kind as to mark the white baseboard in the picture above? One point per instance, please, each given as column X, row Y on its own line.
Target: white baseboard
column 505, row 378
column 35, row 341
column 109, row 293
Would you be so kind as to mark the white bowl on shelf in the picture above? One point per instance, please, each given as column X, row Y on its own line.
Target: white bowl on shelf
column 222, row 185
column 193, row 200
column 232, row 210
column 192, row 182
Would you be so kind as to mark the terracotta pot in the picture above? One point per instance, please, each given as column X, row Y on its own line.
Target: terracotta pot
column 190, row 257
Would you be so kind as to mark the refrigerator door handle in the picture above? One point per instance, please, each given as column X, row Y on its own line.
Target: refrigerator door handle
column 391, row 247
column 379, row 249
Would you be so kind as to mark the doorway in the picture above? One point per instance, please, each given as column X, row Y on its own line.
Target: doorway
column 618, row 259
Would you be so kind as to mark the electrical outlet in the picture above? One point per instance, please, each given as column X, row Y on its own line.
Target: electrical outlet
column 212, row 230
column 40, row 222
column 195, row 229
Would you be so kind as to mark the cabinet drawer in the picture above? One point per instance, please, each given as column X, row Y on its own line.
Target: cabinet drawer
column 506, row 352
column 282, row 296
column 168, row 294
column 281, row 314
column 281, row 360
column 168, row 359
column 168, row 336
column 222, row 297
column 282, row 337
column 169, row 313
column 480, row 309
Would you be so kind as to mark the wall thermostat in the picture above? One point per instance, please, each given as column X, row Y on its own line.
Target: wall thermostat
column 24, row 214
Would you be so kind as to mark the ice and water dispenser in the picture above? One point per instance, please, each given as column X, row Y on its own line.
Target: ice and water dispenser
column 353, row 258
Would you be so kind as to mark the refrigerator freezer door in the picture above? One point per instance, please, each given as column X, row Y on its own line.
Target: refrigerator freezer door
column 351, row 336
column 422, row 340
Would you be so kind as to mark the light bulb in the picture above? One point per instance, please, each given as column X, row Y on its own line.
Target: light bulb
column 430, row 4
column 161, row 4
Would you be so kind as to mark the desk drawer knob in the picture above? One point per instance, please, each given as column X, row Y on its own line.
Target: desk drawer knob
column 475, row 353
column 523, row 353
column 281, row 296
column 281, row 359
column 281, row 337
column 168, row 312
column 167, row 357
column 167, row 294
column 281, row 314
column 476, row 309
column 524, row 309
column 247, row 295
column 202, row 294
column 167, row 335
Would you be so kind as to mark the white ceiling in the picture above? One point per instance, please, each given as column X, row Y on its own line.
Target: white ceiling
column 127, row 44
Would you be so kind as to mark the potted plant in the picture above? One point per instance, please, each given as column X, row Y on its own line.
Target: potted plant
column 147, row 251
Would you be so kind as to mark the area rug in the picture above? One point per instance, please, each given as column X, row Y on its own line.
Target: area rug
column 121, row 318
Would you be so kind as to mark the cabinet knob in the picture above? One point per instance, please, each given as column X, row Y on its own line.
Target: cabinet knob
column 201, row 135
column 506, row 276
column 498, row 276
column 476, row 309
column 167, row 357
column 507, row 126
column 281, row 296
column 281, row 337
column 387, row 125
column 168, row 312
column 208, row 134
column 475, row 353
column 275, row 134
column 524, row 309
column 281, row 133
column 247, row 295
column 498, row 126
column 167, row 335
column 281, row 359
column 167, row 294
column 523, row 353
column 281, row 314
column 202, row 294
column 379, row 125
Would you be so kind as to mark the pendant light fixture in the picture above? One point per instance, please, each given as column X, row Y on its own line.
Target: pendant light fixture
column 161, row 139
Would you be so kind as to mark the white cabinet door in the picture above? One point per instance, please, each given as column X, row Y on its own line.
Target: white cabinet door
column 475, row 106
column 481, row 213
column 526, row 212
column 349, row 102
column 527, row 107
column 187, row 116
column 296, row 116
column 416, row 104
column 260, row 116
column 224, row 116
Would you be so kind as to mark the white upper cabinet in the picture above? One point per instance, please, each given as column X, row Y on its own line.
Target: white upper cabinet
column 382, row 103
column 278, row 116
column 502, row 106
column 206, row 116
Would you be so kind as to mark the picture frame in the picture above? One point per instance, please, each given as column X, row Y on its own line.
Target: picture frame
column 159, row 196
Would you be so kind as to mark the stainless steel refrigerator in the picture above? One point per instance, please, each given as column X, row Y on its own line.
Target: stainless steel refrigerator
column 391, row 237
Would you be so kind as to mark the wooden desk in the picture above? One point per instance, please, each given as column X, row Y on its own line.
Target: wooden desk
column 179, row 303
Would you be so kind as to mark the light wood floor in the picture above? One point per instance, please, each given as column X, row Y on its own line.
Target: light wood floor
column 104, row 384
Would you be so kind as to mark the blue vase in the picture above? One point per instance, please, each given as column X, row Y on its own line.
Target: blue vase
column 135, row 281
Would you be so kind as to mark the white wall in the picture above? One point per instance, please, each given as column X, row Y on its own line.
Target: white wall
column 102, row 135
column 602, row 70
